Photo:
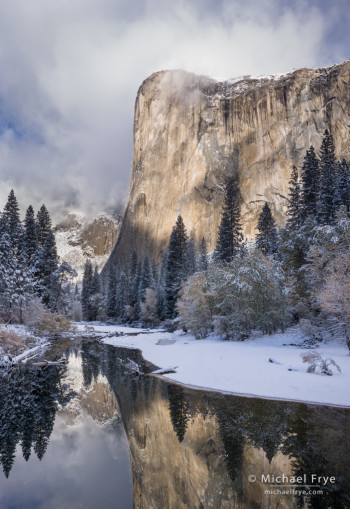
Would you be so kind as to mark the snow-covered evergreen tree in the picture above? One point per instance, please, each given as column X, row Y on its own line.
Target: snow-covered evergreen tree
column 16, row 280
column 145, row 279
column 310, row 183
column 135, row 278
column 62, row 294
column 111, row 292
column 121, row 296
column 86, row 290
column 294, row 201
column 267, row 238
column 12, row 222
column 133, row 264
column 175, row 266
column 160, row 290
column 30, row 234
column 45, row 265
column 44, row 224
column 325, row 204
column 97, row 303
column 230, row 235
column 190, row 256
column 342, row 187
column 203, row 256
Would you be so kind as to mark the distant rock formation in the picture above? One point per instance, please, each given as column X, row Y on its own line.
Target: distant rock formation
column 78, row 239
column 192, row 132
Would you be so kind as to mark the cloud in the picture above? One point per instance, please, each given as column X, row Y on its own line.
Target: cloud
column 70, row 73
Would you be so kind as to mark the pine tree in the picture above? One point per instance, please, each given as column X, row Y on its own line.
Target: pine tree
column 155, row 274
column 135, row 281
column 111, row 292
column 175, row 266
column 342, row 187
column 310, row 182
column 325, row 204
column 30, row 234
column 86, row 290
column 96, row 298
column 145, row 280
column 16, row 280
column 267, row 238
column 121, row 300
column 294, row 202
column 179, row 411
column 12, row 218
column 230, row 235
column 133, row 264
column 160, row 292
column 44, row 224
column 62, row 297
column 190, row 256
column 45, row 266
column 203, row 256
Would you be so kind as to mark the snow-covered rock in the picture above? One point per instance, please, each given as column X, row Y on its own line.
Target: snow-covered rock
column 78, row 239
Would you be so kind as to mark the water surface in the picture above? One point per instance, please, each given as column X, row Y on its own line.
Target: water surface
column 94, row 434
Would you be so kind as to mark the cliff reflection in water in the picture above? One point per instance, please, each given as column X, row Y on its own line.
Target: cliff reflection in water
column 194, row 449
column 188, row 449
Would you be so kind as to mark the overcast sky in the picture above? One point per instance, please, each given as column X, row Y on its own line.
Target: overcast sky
column 70, row 71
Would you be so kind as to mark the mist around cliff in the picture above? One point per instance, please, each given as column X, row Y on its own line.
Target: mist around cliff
column 70, row 74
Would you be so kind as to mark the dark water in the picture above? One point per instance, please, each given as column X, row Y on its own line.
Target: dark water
column 93, row 434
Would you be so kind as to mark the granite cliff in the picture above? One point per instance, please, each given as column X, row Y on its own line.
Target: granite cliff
column 192, row 132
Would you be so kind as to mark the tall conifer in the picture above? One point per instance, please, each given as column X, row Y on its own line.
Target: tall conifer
column 267, row 238
column 44, row 224
column 294, row 203
column 310, row 183
column 30, row 234
column 325, row 205
column 230, row 235
column 175, row 266
column 203, row 256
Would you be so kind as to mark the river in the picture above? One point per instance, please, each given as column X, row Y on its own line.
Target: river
column 93, row 434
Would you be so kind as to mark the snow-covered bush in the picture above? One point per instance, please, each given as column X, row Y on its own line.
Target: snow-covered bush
column 148, row 307
column 234, row 298
column 317, row 364
column 37, row 315
column 196, row 305
column 310, row 329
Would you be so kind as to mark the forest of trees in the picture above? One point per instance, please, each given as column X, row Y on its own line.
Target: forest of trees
column 298, row 273
column 29, row 264
column 295, row 274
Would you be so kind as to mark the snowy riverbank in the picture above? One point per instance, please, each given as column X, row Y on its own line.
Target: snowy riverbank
column 18, row 344
column 243, row 367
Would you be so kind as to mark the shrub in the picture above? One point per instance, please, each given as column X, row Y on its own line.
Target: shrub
column 234, row 298
column 38, row 316
column 318, row 364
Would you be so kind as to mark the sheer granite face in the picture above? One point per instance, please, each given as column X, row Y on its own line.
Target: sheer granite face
column 191, row 133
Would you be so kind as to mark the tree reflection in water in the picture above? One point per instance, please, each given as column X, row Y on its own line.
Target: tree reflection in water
column 28, row 405
column 313, row 439
column 178, row 408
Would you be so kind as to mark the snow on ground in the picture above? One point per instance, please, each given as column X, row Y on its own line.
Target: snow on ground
column 17, row 343
column 244, row 367
column 100, row 327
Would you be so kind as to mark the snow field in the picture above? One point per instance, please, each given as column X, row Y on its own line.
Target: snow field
column 244, row 367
